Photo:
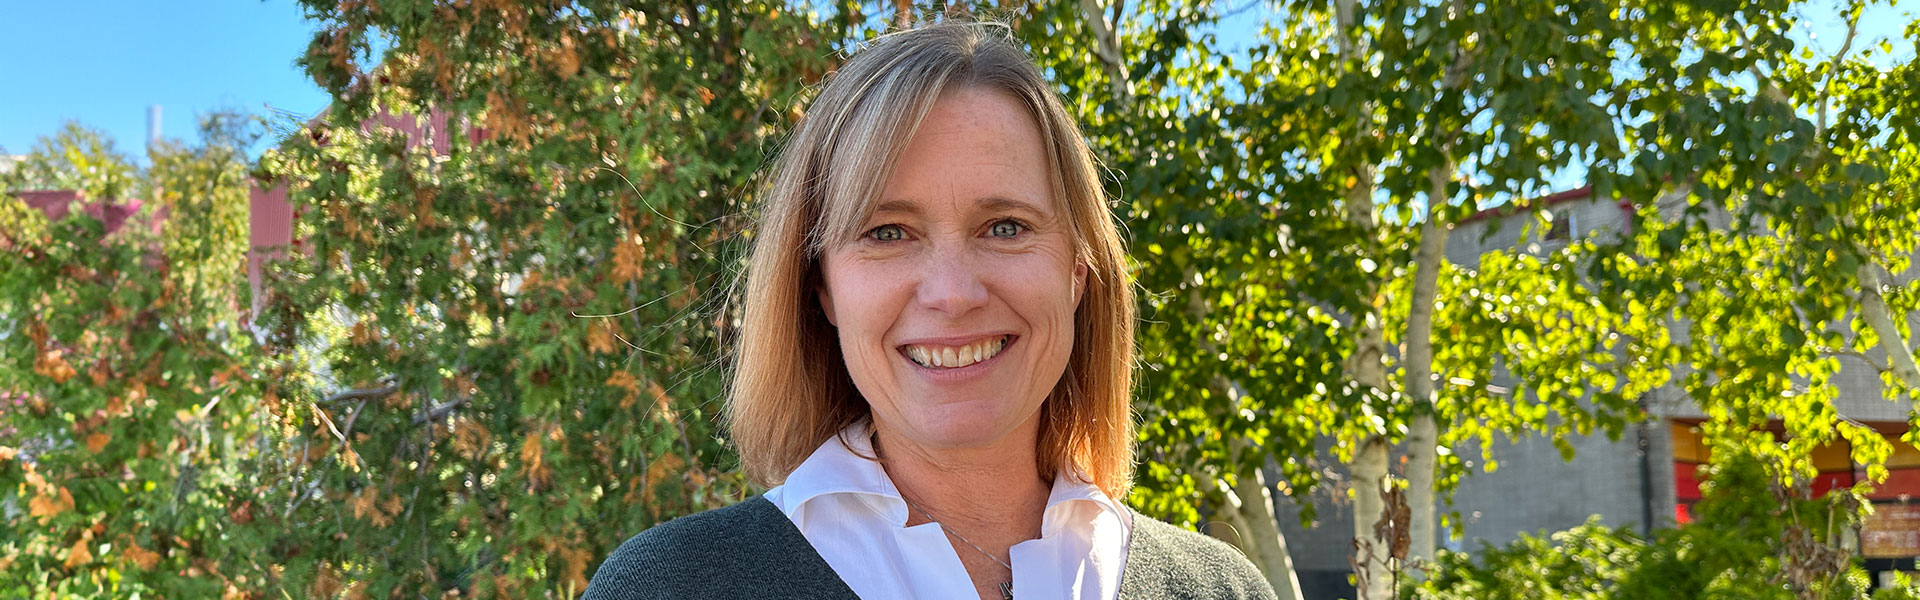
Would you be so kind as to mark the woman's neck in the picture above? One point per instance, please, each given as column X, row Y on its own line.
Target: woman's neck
column 992, row 495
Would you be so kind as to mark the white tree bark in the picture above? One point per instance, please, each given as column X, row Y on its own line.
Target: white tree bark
column 1372, row 553
column 1423, row 433
column 1422, row 442
column 1373, row 566
column 1107, row 47
column 1874, row 307
column 1257, row 530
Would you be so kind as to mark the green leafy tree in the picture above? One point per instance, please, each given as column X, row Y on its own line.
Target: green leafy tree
column 502, row 358
column 77, row 159
column 1291, row 207
column 128, row 453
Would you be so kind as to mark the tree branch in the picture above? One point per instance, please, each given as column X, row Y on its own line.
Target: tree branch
column 1107, row 47
column 379, row 392
column 440, row 411
column 1833, row 66
column 1772, row 91
column 1862, row 356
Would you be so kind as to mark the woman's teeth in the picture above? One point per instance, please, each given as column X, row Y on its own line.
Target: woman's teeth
column 953, row 357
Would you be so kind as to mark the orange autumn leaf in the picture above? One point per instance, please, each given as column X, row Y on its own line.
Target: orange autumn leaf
column 664, row 467
column 625, row 381
column 53, row 364
column 565, row 59
column 600, row 338
column 363, row 505
column 78, row 555
column 326, row 583
column 141, row 557
column 627, row 258
column 576, row 560
column 531, row 452
column 46, row 506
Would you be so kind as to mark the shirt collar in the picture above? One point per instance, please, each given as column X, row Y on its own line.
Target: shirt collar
column 843, row 465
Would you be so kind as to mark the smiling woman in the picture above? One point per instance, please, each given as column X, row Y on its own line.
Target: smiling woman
column 935, row 359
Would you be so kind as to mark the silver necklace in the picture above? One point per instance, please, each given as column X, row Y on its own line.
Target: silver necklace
column 1006, row 587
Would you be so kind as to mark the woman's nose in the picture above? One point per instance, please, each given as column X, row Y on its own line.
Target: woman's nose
column 951, row 283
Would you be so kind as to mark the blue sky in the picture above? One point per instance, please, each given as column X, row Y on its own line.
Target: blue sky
column 104, row 62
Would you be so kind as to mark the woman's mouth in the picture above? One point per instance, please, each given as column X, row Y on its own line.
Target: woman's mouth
column 935, row 356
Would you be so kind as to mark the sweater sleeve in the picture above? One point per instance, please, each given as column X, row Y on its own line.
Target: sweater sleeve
column 642, row 568
column 748, row 550
column 1169, row 562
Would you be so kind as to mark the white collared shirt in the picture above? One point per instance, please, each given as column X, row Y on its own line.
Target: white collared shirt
column 848, row 509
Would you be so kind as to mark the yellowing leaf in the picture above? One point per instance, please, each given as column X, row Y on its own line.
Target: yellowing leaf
column 576, row 559
column 78, row 555
column 362, row 503
column 530, row 451
column 326, row 583
column 47, row 506
column 53, row 364
column 141, row 557
column 600, row 338
column 625, row 381
column 627, row 259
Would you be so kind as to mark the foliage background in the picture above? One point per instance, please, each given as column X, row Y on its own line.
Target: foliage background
column 478, row 369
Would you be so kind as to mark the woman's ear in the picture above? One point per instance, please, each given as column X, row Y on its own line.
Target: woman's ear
column 826, row 306
column 1079, row 281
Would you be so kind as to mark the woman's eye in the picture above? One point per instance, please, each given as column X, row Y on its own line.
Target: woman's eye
column 887, row 233
column 1005, row 229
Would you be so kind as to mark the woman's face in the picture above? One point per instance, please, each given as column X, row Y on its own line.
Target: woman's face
column 955, row 305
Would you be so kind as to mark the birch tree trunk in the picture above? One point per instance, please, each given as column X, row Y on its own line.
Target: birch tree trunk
column 1107, row 47
column 1423, row 433
column 1372, row 553
column 1874, row 307
column 1259, row 536
column 1372, row 559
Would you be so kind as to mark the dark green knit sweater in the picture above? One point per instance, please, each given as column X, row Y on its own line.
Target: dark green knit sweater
column 751, row 550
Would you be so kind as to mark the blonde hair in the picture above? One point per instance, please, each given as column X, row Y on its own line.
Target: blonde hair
column 791, row 391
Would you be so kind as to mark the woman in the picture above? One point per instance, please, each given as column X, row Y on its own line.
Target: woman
column 935, row 359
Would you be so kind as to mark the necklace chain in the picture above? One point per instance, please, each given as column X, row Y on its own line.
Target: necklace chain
column 1006, row 587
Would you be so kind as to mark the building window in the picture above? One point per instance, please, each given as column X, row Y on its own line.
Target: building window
column 1561, row 229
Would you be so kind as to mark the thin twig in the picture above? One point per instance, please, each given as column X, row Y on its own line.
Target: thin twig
column 1856, row 354
column 329, row 421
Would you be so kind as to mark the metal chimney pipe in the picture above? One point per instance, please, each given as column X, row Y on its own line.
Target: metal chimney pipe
column 153, row 126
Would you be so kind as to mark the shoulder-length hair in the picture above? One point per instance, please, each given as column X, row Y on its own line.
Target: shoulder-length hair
column 791, row 390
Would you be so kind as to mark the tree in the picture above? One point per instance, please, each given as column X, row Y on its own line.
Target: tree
column 1290, row 219
column 517, row 339
column 130, row 454
column 79, row 159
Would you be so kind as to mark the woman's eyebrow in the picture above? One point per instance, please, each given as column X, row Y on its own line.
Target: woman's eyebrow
column 989, row 203
column 897, row 206
column 1004, row 204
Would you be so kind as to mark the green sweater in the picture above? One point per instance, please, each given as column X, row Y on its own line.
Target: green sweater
column 751, row 550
